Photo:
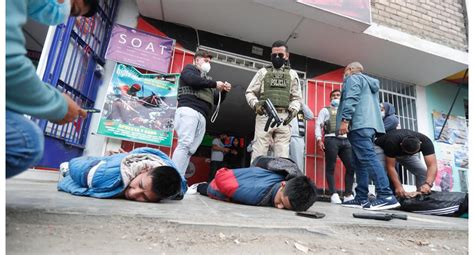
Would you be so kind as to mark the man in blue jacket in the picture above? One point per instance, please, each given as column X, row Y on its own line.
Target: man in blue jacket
column 25, row 92
column 275, row 182
column 144, row 175
column 358, row 116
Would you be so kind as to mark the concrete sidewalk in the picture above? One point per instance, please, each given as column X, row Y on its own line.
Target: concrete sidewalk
column 34, row 206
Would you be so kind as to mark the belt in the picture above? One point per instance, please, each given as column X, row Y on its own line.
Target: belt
column 281, row 110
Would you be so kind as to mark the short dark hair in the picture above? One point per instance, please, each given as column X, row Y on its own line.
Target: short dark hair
column 334, row 91
column 202, row 54
column 411, row 144
column 166, row 181
column 280, row 44
column 93, row 7
column 301, row 192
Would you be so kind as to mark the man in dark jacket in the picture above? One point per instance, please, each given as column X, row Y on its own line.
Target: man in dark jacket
column 197, row 93
column 275, row 182
column 390, row 120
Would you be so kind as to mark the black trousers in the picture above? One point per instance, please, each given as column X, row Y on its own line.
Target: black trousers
column 215, row 165
column 338, row 147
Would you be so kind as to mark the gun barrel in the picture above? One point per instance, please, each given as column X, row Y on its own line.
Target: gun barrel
column 399, row 216
column 373, row 216
column 269, row 120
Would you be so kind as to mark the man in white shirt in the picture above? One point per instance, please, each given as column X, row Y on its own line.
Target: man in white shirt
column 333, row 146
column 217, row 155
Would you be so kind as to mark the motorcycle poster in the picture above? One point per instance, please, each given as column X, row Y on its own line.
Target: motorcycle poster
column 140, row 107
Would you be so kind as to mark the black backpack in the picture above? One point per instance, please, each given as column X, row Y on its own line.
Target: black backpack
column 452, row 204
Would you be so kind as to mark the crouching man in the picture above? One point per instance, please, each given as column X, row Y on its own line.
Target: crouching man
column 144, row 175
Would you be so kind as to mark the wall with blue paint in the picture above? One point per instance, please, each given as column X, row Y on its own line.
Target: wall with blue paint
column 439, row 97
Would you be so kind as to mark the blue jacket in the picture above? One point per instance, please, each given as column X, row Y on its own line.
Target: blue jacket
column 250, row 186
column 25, row 92
column 360, row 103
column 107, row 181
column 390, row 121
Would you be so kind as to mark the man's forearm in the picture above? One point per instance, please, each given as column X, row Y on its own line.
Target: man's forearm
column 431, row 174
column 392, row 174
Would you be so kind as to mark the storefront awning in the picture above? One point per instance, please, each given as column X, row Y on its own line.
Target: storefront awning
column 383, row 51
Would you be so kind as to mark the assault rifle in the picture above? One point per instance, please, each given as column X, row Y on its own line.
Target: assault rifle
column 380, row 216
column 272, row 114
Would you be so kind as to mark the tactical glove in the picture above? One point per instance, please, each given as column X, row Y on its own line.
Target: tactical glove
column 259, row 109
column 291, row 114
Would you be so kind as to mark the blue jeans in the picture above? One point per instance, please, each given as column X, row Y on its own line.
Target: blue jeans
column 190, row 126
column 365, row 163
column 411, row 162
column 24, row 143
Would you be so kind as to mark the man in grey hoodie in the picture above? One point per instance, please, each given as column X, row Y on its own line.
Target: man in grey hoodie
column 358, row 116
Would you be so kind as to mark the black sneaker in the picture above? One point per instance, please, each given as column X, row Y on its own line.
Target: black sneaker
column 382, row 204
column 355, row 203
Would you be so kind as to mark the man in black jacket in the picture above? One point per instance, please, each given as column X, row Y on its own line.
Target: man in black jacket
column 197, row 93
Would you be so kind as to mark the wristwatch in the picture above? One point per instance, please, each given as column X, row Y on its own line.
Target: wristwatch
column 346, row 121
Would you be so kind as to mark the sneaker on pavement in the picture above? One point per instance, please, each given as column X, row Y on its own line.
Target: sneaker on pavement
column 371, row 197
column 63, row 169
column 382, row 204
column 193, row 188
column 355, row 203
column 335, row 199
column 347, row 198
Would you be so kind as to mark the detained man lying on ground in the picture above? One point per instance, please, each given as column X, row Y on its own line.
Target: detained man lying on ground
column 275, row 182
column 144, row 175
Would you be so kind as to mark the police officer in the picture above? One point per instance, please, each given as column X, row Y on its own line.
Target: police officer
column 334, row 145
column 197, row 93
column 280, row 84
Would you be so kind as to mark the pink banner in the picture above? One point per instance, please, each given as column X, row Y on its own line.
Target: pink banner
column 140, row 49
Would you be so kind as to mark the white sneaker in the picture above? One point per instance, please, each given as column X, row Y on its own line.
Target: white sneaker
column 335, row 199
column 193, row 188
column 63, row 169
column 347, row 198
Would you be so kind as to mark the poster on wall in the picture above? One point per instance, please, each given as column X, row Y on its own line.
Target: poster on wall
column 454, row 132
column 451, row 152
column 444, row 178
column 461, row 158
column 140, row 49
column 463, row 179
column 139, row 107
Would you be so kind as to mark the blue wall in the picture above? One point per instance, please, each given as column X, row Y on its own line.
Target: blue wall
column 439, row 97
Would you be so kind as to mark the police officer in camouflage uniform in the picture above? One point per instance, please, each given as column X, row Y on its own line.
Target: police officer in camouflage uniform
column 334, row 145
column 281, row 85
column 197, row 93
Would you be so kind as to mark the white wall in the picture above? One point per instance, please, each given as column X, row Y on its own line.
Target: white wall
column 96, row 145
column 422, row 115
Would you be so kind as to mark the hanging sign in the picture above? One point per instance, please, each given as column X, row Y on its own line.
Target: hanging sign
column 140, row 49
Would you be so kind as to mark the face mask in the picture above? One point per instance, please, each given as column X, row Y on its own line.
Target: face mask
column 277, row 61
column 49, row 12
column 205, row 67
column 382, row 114
column 335, row 103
